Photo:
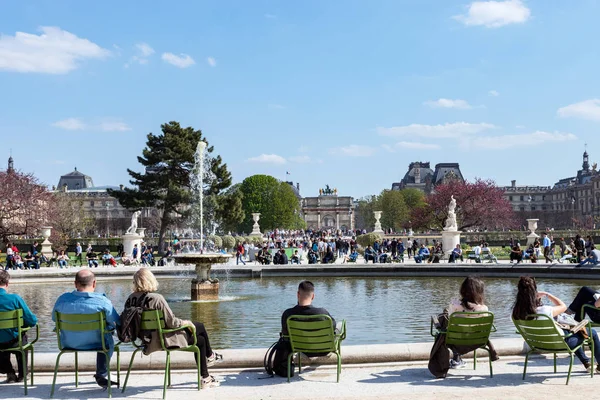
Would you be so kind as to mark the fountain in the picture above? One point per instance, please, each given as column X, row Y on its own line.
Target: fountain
column 203, row 287
column 450, row 233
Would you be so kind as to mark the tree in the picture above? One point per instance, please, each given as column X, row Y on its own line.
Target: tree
column 233, row 209
column 480, row 205
column 168, row 159
column 24, row 204
column 395, row 213
column 68, row 219
column 364, row 212
column 274, row 200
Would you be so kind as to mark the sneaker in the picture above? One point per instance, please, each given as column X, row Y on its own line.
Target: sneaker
column 209, row 382
column 11, row 377
column 214, row 359
column 458, row 364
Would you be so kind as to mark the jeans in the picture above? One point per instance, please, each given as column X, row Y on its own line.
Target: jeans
column 62, row 263
column 590, row 260
column 93, row 263
column 102, row 363
column 239, row 258
column 577, row 339
column 584, row 296
column 420, row 258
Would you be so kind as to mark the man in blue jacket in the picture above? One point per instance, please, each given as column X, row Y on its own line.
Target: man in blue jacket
column 85, row 300
column 423, row 254
column 9, row 337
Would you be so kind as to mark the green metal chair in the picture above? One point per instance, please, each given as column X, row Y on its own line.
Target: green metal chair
column 470, row 329
column 14, row 320
column 314, row 334
column 543, row 336
column 91, row 323
column 153, row 320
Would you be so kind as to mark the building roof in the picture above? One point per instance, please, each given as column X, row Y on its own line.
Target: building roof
column 424, row 170
column 75, row 180
column 447, row 170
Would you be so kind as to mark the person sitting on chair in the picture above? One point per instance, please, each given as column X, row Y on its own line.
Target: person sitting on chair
column 589, row 296
column 369, row 254
column 262, row 256
column 31, row 261
column 456, row 254
column 422, row 255
column 352, row 257
column 9, row 337
column 295, row 258
column 62, row 259
column 145, row 285
column 329, row 257
column 306, row 296
column 312, row 256
column 92, row 258
column 84, row 300
column 516, row 254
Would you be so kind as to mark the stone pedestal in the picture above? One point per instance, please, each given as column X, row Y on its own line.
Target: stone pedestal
column 131, row 239
column 532, row 225
column 377, row 223
column 204, row 290
column 255, row 227
column 449, row 240
column 46, row 245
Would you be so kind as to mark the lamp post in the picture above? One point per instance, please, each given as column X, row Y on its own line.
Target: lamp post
column 573, row 212
column 200, row 150
column 107, row 204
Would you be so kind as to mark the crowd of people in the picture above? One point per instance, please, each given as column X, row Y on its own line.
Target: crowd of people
column 578, row 249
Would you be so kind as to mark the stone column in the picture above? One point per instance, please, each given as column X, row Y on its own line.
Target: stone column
column 337, row 220
column 377, row 223
column 318, row 220
column 256, row 227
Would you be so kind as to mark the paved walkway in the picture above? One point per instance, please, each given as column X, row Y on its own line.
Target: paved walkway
column 376, row 381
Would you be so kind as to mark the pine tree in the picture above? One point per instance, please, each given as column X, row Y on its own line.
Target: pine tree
column 165, row 184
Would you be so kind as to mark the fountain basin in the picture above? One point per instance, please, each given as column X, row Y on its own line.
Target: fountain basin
column 203, row 287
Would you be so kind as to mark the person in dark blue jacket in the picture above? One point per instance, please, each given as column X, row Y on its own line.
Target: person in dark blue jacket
column 9, row 337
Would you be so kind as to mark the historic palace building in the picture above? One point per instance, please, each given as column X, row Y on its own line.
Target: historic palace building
column 328, row 211
column 420, row 176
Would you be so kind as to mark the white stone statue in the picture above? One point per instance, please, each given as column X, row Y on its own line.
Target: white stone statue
column 451, row 220
column 133, row 227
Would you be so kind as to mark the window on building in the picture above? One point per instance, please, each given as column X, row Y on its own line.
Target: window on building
column 521, row 198
column 532, row 208
column 521, row 208
column 91, row 204
column 510, row 198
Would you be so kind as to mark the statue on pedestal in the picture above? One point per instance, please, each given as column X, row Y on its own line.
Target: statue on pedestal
column 451, row 224
column 134, row 225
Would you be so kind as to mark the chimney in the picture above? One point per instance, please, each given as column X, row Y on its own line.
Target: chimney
column 298, row 186
column 121, row 187
column 513, row 183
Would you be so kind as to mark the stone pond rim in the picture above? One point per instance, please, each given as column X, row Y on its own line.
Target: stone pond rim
column 203, row 288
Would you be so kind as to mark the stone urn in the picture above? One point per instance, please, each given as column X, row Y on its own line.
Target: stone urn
column 255, row 227
column 203, row 286
column 377, row 215
column 46, row 231
column 532, row 225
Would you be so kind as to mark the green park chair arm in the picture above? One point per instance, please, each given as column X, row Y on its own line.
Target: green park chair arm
column 494, row 328
column 342, row 334
column 591, row 307
column 37, row 332
column 437, row 330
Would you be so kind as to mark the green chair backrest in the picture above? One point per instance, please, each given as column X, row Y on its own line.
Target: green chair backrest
column 95, row 322
column 469, row 328
column 311, row 333
column 154, row 320
column 541, row 333
column 11, row 319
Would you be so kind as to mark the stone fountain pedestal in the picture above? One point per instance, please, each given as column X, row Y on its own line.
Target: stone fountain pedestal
column 203, row 287
column 532, row 225
column 449, row 240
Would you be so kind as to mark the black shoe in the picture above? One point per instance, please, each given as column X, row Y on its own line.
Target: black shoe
column 11, row 377
column 103, row 382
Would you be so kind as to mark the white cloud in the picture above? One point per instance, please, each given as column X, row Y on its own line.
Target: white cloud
column 211, row 61
column 448, row 130
column 180, row 61
column 276, row 106
column 587, row 109
column 145, row 49
column 70, row 124
column 494, row 14
column 449, row 103
column 54, row 51
column 353, row 150
column 410, row 146
column 524, row 140
column 105, row 125
column 300, row 159
column 268, row 159
column 270, row 16
column 493, row 93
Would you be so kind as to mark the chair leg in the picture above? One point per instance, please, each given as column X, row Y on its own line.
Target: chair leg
column 525, row 366
column 289, row 365
column 339, row 366
column 55, row 371
column 32, row 369
column 299, row 363
column 554, row 362
column 118, row 366
column 129, row 370
column 166, row 375
column 24, row 358
column 571, row 367
column 76, row 370
column 475, row 359
column 491, row 366
column 198, row 368
column 108, row 374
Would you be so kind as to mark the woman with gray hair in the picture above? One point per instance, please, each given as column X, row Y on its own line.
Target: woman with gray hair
column 145, row 286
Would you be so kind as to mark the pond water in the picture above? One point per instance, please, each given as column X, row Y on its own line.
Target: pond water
column 376, row 310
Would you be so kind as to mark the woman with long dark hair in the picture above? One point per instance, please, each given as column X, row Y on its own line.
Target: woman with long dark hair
column 529, row 301
column 472, row 299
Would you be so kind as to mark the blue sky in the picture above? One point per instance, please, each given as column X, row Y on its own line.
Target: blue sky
column 345, row 93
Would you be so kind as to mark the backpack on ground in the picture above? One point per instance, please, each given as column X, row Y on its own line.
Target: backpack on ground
column 131, row 322
column 275, row 360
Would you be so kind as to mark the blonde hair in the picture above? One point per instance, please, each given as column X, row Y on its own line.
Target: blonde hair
column 144, row 281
